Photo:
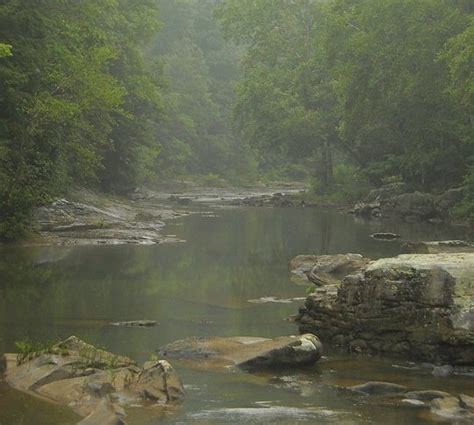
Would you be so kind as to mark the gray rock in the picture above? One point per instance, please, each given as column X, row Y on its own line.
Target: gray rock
column 413, row 402
column 419, row 305
column 385, row 236
column 449, row 199
column 443, row 371
column 326, row 269
column 136, row 324
column 246, row 352
column 416, row 205
column 379, row 388
column 426, row 395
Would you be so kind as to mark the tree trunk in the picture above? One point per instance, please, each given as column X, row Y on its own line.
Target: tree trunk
column 326, row 167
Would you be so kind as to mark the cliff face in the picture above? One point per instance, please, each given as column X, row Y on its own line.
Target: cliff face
column 420, row 306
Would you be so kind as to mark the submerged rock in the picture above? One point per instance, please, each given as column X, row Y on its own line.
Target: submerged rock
column 93, row 382
column 246, row 352
column 385, row 236
column 417, row 305
column 136, row 324
column 379, row 388
column 426, row 395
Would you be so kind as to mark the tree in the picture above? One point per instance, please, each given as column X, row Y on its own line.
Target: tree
column 285, row 101
column 74, row 80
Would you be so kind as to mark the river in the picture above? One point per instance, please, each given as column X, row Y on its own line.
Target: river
column 203, row 287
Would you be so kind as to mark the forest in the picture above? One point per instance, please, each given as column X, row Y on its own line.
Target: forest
column 348, row 95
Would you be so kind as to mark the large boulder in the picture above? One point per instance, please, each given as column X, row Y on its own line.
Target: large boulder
column 448, row 200
column 96, row 384
column 421, row 305
column 410, row 206
column 393, row 201
column 246, row 352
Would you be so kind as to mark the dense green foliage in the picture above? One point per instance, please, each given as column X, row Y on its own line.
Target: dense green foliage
column 385, row 85
column 77, row 103
column 200, row 69
column 114, row 94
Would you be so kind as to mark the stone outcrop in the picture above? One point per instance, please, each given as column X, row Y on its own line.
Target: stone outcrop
column 248, row 353
column 96, row 384
column 91, row 219
column 421, row 305
column 392, row 201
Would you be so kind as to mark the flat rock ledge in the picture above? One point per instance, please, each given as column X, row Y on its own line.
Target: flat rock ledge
column 94, row 383
column 418, row 305
column 249, row 353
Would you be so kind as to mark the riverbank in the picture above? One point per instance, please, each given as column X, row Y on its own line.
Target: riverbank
column 90, row 218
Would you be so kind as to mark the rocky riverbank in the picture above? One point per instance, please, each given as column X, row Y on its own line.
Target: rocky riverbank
column 88, row 218
column 394, row 201
column 419, row 306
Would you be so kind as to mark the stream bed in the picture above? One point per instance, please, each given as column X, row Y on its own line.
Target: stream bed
column 229, row 278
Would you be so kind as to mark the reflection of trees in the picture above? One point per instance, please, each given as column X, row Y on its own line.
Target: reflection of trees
column 243, row 254
column 325, row 233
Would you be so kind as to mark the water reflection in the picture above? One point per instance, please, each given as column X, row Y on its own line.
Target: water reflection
column 202, row 288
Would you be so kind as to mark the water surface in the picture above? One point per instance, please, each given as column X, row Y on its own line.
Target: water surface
column 202, row 288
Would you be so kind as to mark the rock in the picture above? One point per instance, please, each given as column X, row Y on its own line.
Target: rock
column 413, row 402
column 104, row 414
column 92, row 382
column 418, row 305
column 3, row 364
column 326, row 269
column 393, row 202
column 379, row 388
column 452, row 408
column 387, row 236
column 101, row 220
column 136, row 324
column 449, row 199
column 466, row 402
column 442, row 371
column 426, row 395
column 246, row 352
column 159, row 382
column 437, row 247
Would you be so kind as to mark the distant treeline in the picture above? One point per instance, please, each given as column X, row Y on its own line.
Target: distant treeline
column 114, row 94
column 111, row 94
column 371, row 91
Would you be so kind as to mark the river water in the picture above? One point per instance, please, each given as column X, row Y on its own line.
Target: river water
column 203, row 287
